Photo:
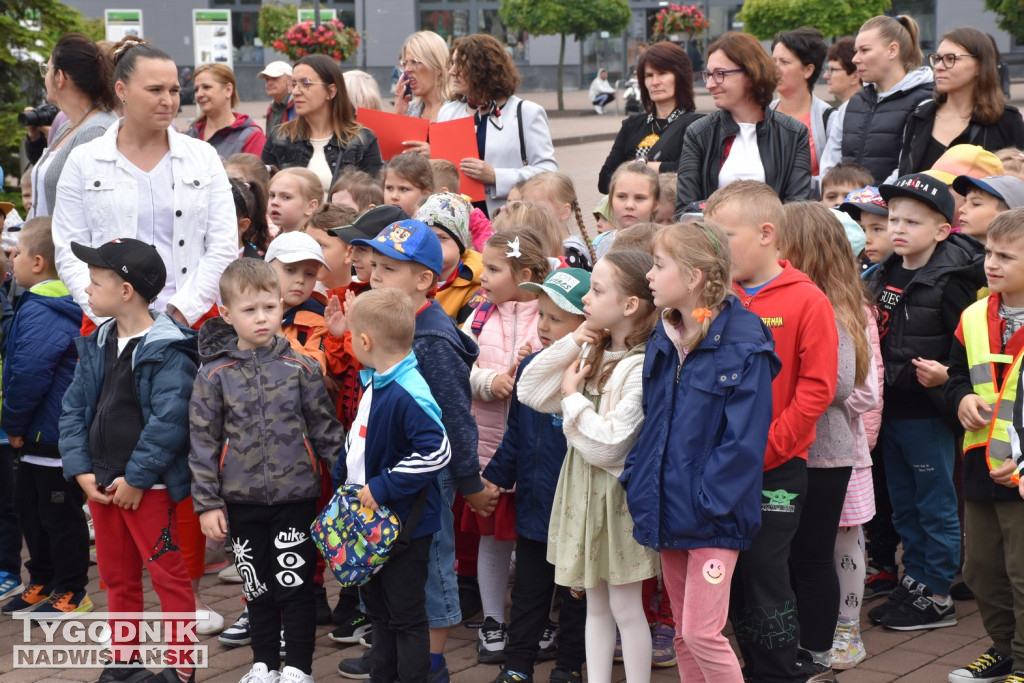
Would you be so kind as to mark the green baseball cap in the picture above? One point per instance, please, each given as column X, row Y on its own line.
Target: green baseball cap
column 566, row 288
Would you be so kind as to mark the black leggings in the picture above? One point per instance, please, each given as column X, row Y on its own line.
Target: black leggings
column 811, row 560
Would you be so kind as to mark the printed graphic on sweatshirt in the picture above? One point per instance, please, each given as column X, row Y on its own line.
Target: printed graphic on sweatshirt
column 887, row 302
column 164, row 544
column 772, row 321
column 779, row 501
column 251, row 585
column 768, row 627
column 289, row 560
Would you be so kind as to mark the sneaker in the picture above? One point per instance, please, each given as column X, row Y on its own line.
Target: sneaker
column 356, row 667
column 507, row 676
column 238, row 634
column 897, row 597
column 663, row 651
column 469, row 597
column 216, row 560
column 548, row 645
column 10, row 585
column 352, row 630
column 991, row 667
column 920, row 612
column 59, row 604
column 490, row 646
column 879, row 582
column 260, row 674
column 293, row 675
column 133, row 672
column 229, row 575
column 565, row 676
column 440, row 674
column 847, row 646
column 1016, row 677
column 366, row 640
column 323, row 608
column 213, row 623
column 32, row 597
column 599, row 109
column 816, row 672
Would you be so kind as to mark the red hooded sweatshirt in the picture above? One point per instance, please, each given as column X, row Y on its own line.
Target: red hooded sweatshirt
column 803, row 326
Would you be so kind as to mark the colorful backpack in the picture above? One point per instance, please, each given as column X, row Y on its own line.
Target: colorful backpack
column 357, row 541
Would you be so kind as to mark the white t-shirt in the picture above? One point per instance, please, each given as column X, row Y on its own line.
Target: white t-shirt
column 39, row 207
column 318, row 163
column 156, row 217
column 744, row 160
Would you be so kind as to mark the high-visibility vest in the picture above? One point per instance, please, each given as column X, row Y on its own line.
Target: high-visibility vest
column 994, row 437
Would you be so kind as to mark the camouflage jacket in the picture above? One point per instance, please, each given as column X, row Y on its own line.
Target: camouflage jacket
column 259, row 419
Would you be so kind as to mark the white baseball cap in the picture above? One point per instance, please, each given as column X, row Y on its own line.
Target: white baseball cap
column 276, row 69
column 292, row 247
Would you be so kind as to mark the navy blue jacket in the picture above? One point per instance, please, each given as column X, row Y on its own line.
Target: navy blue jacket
column 693, row 478
column 164, row 367
column 530, row 458
column 446, row 355
column 39, row 365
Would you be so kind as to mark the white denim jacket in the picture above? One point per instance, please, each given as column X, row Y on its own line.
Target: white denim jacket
column 97, row 201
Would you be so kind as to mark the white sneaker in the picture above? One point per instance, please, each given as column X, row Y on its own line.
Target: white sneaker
column 260, row 674
column 229, row 574
column 211, row 624
column 293, row 675
column 598, row 108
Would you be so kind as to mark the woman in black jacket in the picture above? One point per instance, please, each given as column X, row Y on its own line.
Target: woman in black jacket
column 744, row 139
column 968, row 108
column 656, row 136
column 324, row 136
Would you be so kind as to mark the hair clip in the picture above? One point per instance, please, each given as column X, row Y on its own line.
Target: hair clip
column 701, row 314
column 513, row 251
column 714, row 240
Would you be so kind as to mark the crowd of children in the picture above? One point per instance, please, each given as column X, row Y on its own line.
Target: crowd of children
column 739, row 416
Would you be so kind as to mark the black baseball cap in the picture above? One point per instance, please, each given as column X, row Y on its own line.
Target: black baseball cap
column 924, row 188
column 369, row 223
column 136, row 262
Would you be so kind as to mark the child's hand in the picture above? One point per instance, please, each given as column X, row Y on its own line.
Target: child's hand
column 366, row 498
column 485, row 500
column 334, row 315
column 586, row 335
column 524, row 351
column 87, row 482
column 502, row 385
column 1003, row 475
column 125, row 495
column 930, row 373
column 969, row 412
column 572, row 379
column 1020, row 487
column 214, row 524
column 16, row 441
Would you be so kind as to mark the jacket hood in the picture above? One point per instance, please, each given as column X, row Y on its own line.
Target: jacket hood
column 55, row 296
column 218, row 339
column 164, row 333
column 918, row 77
column 958, row 253
column 432, row 321
column 241, row 121
column 788, row 277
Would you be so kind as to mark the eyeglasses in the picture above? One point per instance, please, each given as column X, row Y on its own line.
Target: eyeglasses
column 719, row 74
column 43, row 68
column 409, row 64
column 948, row 60
column 304, row 84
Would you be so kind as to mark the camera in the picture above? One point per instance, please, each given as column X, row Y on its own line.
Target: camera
column 40, row 116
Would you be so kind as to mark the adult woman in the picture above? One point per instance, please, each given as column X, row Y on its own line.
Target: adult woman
column 325, row 136
column 869, row 129
column 228, row 132
column 841, row 72
column 512, row 135
column 79, row 81
column 799, row 55
column 424, row 84
column 362, row 89
column 656, row 136
column 744, row 139
column 968, row 108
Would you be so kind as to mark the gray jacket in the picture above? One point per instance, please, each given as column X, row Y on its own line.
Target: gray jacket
column 90, row 130
column 821, row 127
column 834, row 444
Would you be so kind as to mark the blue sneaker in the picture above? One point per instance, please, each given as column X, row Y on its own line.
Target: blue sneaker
column 10, row 585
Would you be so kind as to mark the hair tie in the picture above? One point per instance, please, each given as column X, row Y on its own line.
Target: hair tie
column 513, row 251
column 125, row 45
column 701, row 314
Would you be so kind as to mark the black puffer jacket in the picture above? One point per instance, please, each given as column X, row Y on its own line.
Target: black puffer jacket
column 1008, row 131
column 873, row 126
column 362, row 151
column 781, row 142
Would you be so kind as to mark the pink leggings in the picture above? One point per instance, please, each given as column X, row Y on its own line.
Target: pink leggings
column 699, row 581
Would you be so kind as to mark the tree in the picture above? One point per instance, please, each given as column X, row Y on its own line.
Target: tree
column 28, row 31
column 576, row 18
column 274, row 21
column 765, row 18
column 1011, row 16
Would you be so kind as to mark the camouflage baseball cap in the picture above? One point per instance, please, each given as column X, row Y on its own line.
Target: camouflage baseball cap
column 450, row 212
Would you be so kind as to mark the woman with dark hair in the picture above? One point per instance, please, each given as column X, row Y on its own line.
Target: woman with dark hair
column 324, row 136
column 799, row 56
column 512, row 135
column 218, row 124
column 968, row 107
column 745, row 139
column 80, row 82
column 656, row 136
column 841, row 72
column 868, row 129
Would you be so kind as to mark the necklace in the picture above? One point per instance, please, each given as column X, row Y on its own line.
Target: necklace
column 643, row 149
column 74, row 125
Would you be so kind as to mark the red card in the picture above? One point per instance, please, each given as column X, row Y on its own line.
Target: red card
column 392, row 130
column 455, row 141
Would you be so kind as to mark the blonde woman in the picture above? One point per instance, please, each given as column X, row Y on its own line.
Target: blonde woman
column 228, row 132
column 363, row 90
column 424, row 84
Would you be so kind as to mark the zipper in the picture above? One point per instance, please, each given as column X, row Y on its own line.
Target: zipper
column 263, row 425
column 512, row 357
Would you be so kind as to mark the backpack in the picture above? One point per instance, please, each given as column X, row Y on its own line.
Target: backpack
column 357, row 541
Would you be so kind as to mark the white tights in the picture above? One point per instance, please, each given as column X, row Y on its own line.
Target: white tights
column 608, row 606
column 850, row 567
column 492, row 567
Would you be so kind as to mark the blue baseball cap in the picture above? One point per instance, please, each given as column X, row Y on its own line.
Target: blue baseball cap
column 408, row 240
